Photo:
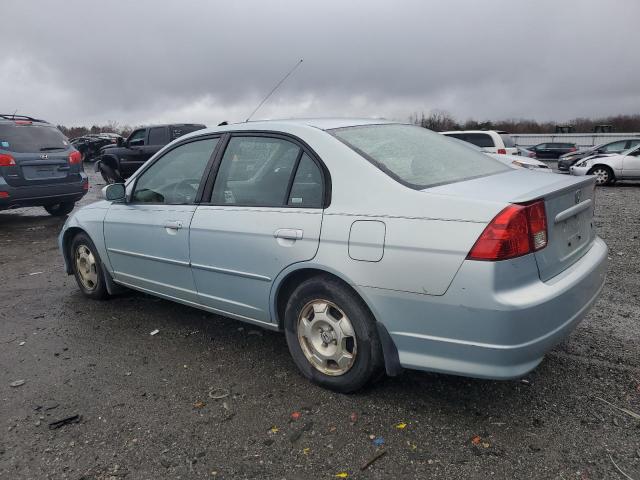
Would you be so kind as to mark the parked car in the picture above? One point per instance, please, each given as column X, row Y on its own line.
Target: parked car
column 118, row 162
column 90, row 145
column 373, row 245
column 617, row 146
column 552, row 150
column 491, row 141
column 526, row 152
column 608, row 168
column 513, row 161
column 38, row 166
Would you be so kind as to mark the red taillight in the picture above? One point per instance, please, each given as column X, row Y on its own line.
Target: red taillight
column 4, row 194
column 75, row 158
column 502, row 151
column 6, row 160
column 515, row 231
column 85, row 185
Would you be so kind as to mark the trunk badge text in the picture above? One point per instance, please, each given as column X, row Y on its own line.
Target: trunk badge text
column 578, row 196
column 44, row 156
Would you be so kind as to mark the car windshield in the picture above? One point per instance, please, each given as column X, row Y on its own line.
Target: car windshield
column 417, row 157
column 31, row 138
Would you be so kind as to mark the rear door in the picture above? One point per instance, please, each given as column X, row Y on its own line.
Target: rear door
column 265, row 214
column 41, row 155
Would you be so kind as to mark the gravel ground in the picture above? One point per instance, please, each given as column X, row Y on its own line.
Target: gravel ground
column 147, row 406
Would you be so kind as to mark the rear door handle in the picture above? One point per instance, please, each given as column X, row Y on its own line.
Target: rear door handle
column 173, row 224
column 288, row 233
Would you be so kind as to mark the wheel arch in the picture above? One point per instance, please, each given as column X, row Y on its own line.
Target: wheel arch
column 68, row 235
column 290, row 279
column 602, row 165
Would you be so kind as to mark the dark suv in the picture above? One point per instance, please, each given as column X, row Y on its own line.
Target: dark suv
column 38, row 166
column 552, row 149
column 118, row 162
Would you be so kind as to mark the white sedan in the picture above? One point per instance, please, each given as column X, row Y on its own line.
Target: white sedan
column 610, row 168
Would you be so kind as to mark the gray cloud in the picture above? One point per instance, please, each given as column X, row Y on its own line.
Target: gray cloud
column 84, row 61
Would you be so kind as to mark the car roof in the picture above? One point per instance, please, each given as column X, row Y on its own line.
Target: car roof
column 10, row 118
column 477, row 131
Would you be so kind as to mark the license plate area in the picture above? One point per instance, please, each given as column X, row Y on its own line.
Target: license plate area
column 42, row 172
column 574, row 232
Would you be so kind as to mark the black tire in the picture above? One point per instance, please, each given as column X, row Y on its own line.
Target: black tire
column 98, row 290
column 368, row 361
column 604, row 175
column 60, row 209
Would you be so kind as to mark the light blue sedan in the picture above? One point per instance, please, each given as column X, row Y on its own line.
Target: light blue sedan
column 373, row 245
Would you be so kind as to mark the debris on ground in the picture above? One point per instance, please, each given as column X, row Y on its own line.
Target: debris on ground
column 631, row 413
column 619, row 469
column 199, row 404
column 342, row 475
column 401, row 426
column 476, row 439
column 370, row 462
column 218, row 393
column 353, row 417
column 295, row 416
column 65, row 421
column 155, row 332
column 274, row 429
column 17, row 383
column 378, row 441
column 35, row 273
column 306, row 451
column 22, row 343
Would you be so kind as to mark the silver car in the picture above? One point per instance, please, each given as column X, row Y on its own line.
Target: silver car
column 372, row 245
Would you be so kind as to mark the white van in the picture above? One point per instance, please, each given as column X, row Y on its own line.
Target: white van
column 491, row 141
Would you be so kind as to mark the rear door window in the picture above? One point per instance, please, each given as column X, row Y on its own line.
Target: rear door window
column 482, row 140
column 307, row 188
column 158, row 136
column 31, row 138
column 255, row 171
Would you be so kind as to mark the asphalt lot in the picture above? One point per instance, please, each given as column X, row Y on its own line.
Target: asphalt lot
column 149, row 405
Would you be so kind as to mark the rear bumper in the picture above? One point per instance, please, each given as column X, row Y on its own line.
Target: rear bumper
column 494, row 321
column 40, row 195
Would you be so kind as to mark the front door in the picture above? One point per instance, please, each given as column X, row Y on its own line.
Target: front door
column 265, row 214
column 147, row 237
column 631, row 164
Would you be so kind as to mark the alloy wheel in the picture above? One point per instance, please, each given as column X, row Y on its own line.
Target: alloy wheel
column 326, row 337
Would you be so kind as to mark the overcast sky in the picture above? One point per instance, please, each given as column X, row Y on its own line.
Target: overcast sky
column 78, row 62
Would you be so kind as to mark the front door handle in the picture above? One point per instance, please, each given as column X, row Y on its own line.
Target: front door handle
column 173, row 224
column 288, row 233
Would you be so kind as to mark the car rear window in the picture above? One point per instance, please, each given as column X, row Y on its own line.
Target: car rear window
column 479, row 139
column 508, row 141
column 31, row 138
column 417, row 157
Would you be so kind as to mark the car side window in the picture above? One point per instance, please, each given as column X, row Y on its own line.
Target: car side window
column 255, row 171
column 175, row 177
column 615, row 147
column 306, row 190
column 158, row 136
column 137, row 138
column 480, row 139
column 633, row 143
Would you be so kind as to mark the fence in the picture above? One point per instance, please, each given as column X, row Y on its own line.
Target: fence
column 582, row 140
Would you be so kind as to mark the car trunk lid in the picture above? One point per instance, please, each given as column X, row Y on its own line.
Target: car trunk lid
column 569, row 204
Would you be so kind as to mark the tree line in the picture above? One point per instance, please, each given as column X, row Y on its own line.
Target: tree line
column 441, row 121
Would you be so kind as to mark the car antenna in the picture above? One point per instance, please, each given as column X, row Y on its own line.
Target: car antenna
column 274, row 89
column 14, row 114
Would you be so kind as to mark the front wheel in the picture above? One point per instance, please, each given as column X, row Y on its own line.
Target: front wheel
column 60, row 209
column 332, row 335
column 87, row 267
column 604, row 175
column 109, row 174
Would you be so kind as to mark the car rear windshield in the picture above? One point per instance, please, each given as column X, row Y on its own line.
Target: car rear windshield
column 31, row 138
column 417, row 157
column 508, row 141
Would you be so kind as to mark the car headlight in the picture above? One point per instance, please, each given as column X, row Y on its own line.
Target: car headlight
column 523, row 165
column 582, row 164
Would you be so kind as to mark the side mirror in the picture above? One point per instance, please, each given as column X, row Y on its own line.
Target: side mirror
column 120, row 141
column 114, row 192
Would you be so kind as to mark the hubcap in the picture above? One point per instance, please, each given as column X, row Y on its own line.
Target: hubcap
column 602, row 176
column 86, row 267
column 326, row 337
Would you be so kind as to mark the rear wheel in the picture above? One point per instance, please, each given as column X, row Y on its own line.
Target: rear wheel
column 604, row 175
column 60, row 209
column 87, row 267
column 332, row 336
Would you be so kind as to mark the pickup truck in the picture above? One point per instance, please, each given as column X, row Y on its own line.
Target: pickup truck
column 118, row 162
